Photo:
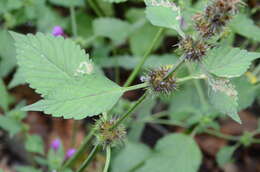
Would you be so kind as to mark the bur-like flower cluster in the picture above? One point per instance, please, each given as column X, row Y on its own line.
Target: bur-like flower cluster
column 107, row 135
column 215, row 17
column 157, row 81
column 194, row 50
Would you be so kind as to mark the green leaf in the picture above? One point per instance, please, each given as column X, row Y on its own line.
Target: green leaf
column 117, row 31
column 130, row 157
column 59, row 70
column 34, row 144
column 68, row 3
column 55, row 158
column 229, row 62
column 164, row 14
column 48, row 62
column 223, row 97
column 11, row 125
column 245, row 26
column 7, row 53
column 75, row 99
column 246, row 92
column 140, row 40
column 115, row 1
column 224, row 155
column 175, row 151
column 4, row 100
column 26, row 169
column 18, row 79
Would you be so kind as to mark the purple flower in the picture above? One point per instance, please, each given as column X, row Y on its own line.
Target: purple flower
column 70, row 153
column 55, row 144
column 57, row 31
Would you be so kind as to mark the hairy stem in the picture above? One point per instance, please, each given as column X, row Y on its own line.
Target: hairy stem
column 73, row 21
column 108, row 154
column 142, row 61
column 175, row 66
column 135, row 87
column 80, row 151
column 89, row 158
column 129, row 111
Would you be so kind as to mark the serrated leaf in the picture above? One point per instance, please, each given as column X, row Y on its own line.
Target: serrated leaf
column 54, row 66
column 223, row 97
column 117, row 31
column 245, row 26
column 175, row 151
column 34, row 144
column 7, row 53
column 224, row 155
column 164, row 14
column 80, row 99
column 229, row 62
column 48, row 62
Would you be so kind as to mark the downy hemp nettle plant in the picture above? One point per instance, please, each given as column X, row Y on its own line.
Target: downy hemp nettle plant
column 204, row 79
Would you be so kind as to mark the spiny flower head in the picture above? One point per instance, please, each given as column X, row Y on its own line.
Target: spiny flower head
column 107, row 135
column 194, row 50
column 157, row 81
column 215, row 17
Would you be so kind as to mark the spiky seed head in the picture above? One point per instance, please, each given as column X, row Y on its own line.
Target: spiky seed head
column 193, row 50
column 157, row 81
column 107, row 136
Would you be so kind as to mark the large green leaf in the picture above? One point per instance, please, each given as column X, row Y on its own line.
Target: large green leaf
column 79, row 99
column 245, row 26
column 175, row 152
column 71, row 85
column 115, row 29
column 229, row 62
column 164, row 14
column 7, row 53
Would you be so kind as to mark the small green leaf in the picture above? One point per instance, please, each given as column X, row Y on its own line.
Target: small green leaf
column 4, row 100
column 223, row 97
column 175, row 151
column 11, row 125
column 130, row 157
column 34, row 143
column 68, row 3
column 7, row 53
column 115, row 1
column 224, row 155
column 26, row 169
column 245, row 26
column 164, row 14
column 117, row 31
column 18, row 79
column 229, row 62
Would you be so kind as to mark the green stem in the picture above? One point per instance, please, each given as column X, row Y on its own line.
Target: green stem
column 175, row 66
column 135, row 87
column 96, row 8
column 80, row 151
column 108, row 154
column 199, row 88
column 73, row 21
column 89, row 158
column 184, row 79
column 129, row 111
column 221, row 135
column 164, row 122
column 142, row 61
